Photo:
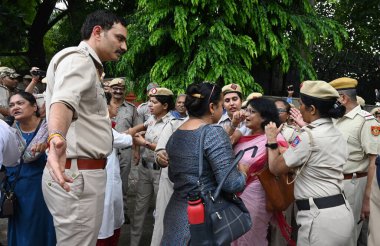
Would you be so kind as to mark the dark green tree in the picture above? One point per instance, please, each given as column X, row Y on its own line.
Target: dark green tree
column 177, row 42
column 360, row 55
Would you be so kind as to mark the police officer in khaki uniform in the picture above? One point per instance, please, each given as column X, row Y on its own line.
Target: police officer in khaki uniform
column 232, row 100
column 161, row 102
column 8, row 85
column 80, row 136
column 363, row 145
column 126, row 118
column 143, row 109
column 318, row 155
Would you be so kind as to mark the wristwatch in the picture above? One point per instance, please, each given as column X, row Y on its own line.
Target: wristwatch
column 271, row 145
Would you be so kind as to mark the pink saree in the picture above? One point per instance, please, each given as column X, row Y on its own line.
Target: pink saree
column 253, row 195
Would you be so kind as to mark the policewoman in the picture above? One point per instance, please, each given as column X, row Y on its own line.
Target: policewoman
column 161, row 102
column 317, row 155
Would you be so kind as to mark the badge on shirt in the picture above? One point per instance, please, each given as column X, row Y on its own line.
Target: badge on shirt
column 375, row 130
column 296, row 141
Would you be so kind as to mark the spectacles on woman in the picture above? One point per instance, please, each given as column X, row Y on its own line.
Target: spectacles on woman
column 249, row 111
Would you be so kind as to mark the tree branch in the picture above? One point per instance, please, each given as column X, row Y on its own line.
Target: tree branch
column 56, row 19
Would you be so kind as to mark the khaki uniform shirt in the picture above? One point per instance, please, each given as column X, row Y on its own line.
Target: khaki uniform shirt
column 4, row 96
column 153, row 133
column 224, row 121
column 73, row 78
column 143, row 112
column 322, row 174
column 356, row 128
column 167, row 132
column 289, row 132
column 127, row 117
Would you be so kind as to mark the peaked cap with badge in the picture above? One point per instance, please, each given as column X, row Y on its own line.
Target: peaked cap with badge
column 230, row 88
column 160, row 92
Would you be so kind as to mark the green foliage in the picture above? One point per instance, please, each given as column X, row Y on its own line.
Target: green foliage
column 359, row 57
column 175, row 43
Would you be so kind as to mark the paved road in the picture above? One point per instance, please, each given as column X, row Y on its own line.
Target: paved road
column 125, row 230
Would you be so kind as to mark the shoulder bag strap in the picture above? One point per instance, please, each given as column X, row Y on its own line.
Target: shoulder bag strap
column 312, row 146
column 233, row 165
column 21, row 160
column 200, row 154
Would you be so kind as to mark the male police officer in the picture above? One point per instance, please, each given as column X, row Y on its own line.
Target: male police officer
column 357, row 126
column 126, row 118
column 8, row 85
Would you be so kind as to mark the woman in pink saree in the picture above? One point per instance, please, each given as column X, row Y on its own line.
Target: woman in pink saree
column 259, row 112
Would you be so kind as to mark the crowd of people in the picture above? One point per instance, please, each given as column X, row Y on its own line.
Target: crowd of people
column 68, row 153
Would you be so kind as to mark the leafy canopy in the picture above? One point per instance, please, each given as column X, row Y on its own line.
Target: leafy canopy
column 175, row 43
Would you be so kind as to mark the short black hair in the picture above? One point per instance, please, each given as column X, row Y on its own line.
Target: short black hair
column 326, row 108
column 206, row 93
column 103, row 18
column 30, row 98
column 287, row 105
column 267, row 109
column 166, row 99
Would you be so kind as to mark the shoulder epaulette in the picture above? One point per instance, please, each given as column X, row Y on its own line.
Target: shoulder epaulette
column 366, row 115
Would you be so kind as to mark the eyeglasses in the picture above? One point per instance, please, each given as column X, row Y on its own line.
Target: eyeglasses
column 281, row 110
column 249, row 111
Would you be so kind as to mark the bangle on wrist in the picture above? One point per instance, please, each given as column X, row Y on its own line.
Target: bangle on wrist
column 51, row 136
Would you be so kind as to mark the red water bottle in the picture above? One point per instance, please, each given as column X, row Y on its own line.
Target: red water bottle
column 195, row 210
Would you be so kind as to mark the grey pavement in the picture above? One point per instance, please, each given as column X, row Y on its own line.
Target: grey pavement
column 125, row 230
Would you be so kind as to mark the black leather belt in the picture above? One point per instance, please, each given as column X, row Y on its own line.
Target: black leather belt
column 323, row 202
column 155, row 166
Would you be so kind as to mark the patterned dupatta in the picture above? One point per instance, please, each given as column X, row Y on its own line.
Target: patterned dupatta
column 256, row 155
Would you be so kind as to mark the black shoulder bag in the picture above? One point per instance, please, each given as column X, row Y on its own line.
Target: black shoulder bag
column 226, row 217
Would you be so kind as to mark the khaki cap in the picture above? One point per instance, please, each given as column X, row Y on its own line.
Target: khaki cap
column 360, row 100
column 160, row 92
column 319, row 89
column 151, row 86
column 231, row 88
column 344, row 83
column 116, row 81
column 250, row 97
column 6, row 71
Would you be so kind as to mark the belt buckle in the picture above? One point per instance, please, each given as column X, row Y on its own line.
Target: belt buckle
column 353, row 179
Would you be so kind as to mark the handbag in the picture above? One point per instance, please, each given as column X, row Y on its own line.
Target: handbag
column 279, row 194
column 226, row 217
column 278, row 190
column 7, row 199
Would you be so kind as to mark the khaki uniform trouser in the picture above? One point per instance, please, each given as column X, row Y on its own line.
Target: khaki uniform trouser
column 327, row 227
column 354, row 190
column 125, row 159
column 374, row 218
column 165, row 191
column 77, row 214
column 146, row 189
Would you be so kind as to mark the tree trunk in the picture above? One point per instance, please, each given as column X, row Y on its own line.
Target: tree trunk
column 38, row 29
